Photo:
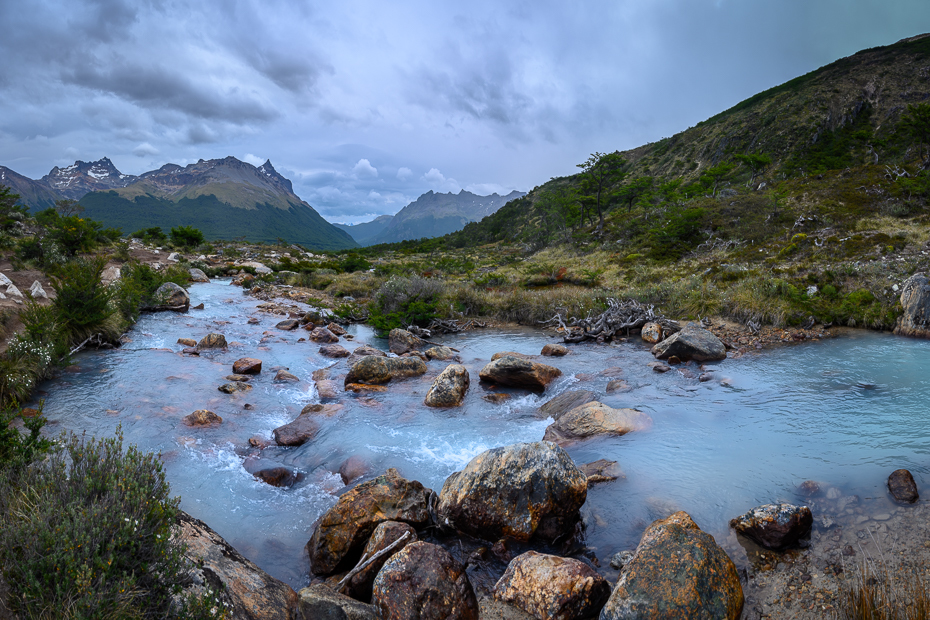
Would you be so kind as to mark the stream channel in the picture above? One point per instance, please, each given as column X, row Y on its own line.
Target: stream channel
column 844, row 412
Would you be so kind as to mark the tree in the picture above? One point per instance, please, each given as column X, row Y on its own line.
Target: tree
column 557, row 208
column 67, row 207
column 916, row 124
column 712, row 176
column 634, row 190
column 599, row 173
column 756, row 162
column 186, row 236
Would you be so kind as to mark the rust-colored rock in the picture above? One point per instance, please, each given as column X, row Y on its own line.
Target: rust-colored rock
column 677, row 573
column 424, row 582
column 202, row 417
column 565, row 402
column 321, row 334
column 247, row 366
column 522, row 373
column 369, row 369
column 334, row 351
column 449, row 388
column 554, row 350
column 359, row 586
column 593, row 419
column 401, row 341
column 298, row 432
column 775, row 526
column 341, row 533
column 243, row 378
column 517, row 491
column 234, row 387
column 651, row 333
column 359, row 388
column 336, row 329
column 552, row 588
column 902, row 486
column 212, row 341
column 187, row 342
column 245, row 590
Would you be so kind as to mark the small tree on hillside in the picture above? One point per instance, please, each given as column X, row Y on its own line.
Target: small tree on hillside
column 713, row 176
column 916, row 124
column 634, row 190
column 67, row 207
column 756, row 162
column 600, row 173
column 186, row 236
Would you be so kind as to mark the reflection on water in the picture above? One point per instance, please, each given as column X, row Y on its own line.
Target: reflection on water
column 845, row 412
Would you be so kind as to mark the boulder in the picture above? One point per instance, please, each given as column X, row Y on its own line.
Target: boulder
column 359, row 586
column 327, row 410
column 320, row 602
column 500, row 354
column 298, row 432
column 915, row 300
column 565, row 402
column 651, row 333
column 327, row 389
column 593, row 419
column 378, row 370
column 517, row 491
column 341, row 533
column 37, row 291
column 551, row 587
column 202, row 417
column 521, row 373
column 234, row 387
column 288, row 325
column 365, row 349
column 601, row 470
column 283, row 376
column 278, row 476
column 198, row 275
column 401, row 341
column 424, row 582
column 443, row 354
column 775, row 526
column 321, row 334
column 212, row 341
column 170, row 296
column 108, row 276
column 247, row 366
column 334, row 350
column 187, row 342
column 902, row 486
column 448, row 389
column 554, row 350
column 617, row 385
column 402, row 367
column 336, row 329
column 677, row 572
column 243, row 378
column 358, row 388
column 352, row 468
column 691, row 343
column 246, row 591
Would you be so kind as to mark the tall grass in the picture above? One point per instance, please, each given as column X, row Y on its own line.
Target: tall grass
column 880, row 590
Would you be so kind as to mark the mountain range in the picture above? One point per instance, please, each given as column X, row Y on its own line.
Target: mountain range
column 430, row 215
column 224, row 198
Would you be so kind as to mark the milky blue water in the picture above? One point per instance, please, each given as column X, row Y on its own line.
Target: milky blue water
column 844, row 412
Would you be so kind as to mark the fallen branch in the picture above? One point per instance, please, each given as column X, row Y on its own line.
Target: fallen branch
column 619, row 317
column 365, row 563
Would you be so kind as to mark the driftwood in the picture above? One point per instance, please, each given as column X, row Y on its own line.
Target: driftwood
column 620, row 317
column 365, row 562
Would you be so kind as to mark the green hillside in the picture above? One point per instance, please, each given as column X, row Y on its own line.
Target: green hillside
column 266, row 223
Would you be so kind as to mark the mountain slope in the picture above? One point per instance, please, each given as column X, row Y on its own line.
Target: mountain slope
column 366, row 230
column 82, row 177
column 434, row 215
column 224, row 198
column 33, row 194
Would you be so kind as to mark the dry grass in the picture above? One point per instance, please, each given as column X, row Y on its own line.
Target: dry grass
column 880, row 590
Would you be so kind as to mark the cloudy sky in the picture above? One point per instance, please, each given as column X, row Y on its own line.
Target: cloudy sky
column 365, row 105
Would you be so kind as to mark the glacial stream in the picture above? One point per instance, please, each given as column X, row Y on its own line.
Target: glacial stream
column 844, row 412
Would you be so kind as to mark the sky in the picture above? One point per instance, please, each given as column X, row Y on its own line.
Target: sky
column 365, row 105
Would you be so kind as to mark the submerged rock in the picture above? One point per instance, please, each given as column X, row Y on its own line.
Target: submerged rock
column 341, row 533
column 516, row 372
column 449, row 388
column 278, row 476
column 691, row 343
column 401, row 341
column 245, row 590
column 915, row 300
column 677, row 571
column 902, row 486
column 565, row 402
column 352, row 468
column 602, row 470
column 593, row 419
column 548, row 586
column 187, row 342
column 517, row 491
column 775, row 526
column 424, row 582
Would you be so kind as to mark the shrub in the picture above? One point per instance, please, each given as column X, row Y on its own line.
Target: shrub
column 186, row 236
column 17, row 449
column 404, row 301
column 150, row 235
column 82, row 301
column 88, row 535
column 138, row 283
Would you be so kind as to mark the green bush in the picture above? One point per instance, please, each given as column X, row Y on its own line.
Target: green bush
column 400, row 302
column 87, row 534
column 16, row 449
column 138, row 283
column 150, row 235
column 82, row 301
column 186, row 236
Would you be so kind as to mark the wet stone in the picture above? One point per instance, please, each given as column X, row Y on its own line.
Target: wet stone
column 234, row 387
column 902, row 486
column 247, row 366
column 202, row 417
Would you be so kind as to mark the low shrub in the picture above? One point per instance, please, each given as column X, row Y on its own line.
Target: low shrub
column 87, row 534
column 404, row 301
column 82, row 302
column 186, row 236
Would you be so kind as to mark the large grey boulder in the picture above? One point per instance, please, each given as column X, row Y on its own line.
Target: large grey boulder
column 517, row 491
column 595, row 419
column 170, row 296
column 691, row 343
column 915, row 299
column 448, row 389
column 401, row 341
column 775, row 526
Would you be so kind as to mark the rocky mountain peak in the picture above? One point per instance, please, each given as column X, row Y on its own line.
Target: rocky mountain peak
column 82, row 177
